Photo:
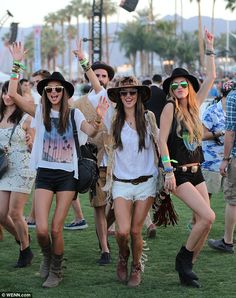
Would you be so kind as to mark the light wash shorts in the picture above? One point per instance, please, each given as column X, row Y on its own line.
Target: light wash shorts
column 214, row 181
column 140, row 191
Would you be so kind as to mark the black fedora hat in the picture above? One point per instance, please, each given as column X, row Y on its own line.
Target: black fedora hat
column 56, row 76
column 102, row 65
column 181, row 72
column 128, row 82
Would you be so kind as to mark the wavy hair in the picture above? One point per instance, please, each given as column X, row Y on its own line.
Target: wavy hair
column 119, row 121
column 188, row 119
column 17, row 114
column 63, row 112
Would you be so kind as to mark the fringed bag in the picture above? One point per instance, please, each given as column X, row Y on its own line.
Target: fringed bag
column 164, row 212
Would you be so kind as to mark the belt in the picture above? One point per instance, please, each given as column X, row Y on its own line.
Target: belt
column 133, row 181
column 188, row 168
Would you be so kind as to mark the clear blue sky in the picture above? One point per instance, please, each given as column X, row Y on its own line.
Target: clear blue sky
column 32, row 12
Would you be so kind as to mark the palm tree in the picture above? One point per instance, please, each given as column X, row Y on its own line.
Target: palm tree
column 200, row 35
column 87, row 13
column 62, row 18
column 70, row 34
column 231, row 4
column 213, row 17
column 109, row 9
column 52, row 18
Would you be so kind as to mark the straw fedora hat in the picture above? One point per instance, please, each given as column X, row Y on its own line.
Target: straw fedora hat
column 129, row 82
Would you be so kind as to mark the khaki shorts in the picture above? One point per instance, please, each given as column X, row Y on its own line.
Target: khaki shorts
column 99, row 199
column 214, row 181
column 230, row 183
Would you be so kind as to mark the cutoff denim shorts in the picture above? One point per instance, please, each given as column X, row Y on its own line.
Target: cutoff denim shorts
column 132, row 192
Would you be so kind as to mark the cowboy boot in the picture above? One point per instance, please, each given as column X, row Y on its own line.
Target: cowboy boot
column 25, row 258
column 135, row 275
column 122, row 267
column 55, row 272
column 45, row 265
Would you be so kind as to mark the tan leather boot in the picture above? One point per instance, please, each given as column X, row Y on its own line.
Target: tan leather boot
column 45, row 265
column 135, row 275
column 55, row 272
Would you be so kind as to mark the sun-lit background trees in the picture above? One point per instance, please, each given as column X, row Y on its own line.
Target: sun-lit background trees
column 141, row 39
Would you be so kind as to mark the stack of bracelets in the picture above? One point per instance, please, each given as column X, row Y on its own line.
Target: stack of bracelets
column 168, row 171
column 16, row 69
column 85, row 64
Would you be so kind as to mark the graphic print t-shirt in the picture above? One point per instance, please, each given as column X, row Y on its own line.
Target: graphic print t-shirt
column 56, row 147
column 52, row 150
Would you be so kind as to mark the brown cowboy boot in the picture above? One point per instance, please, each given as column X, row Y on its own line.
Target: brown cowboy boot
column 135, row 275
column 55, row 272
column 122, row 268
column 45, row 265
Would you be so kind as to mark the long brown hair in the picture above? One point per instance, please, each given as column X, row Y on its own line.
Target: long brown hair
column 63, row 112
column 17, row 114
column 188, row 119
column 119, row 121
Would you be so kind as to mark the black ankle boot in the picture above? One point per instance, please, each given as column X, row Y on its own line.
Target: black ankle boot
column 186, row 281
column 18, row 241
column 183, row 263
column 25, row 258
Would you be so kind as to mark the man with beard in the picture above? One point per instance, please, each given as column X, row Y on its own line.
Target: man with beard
column 87, row 104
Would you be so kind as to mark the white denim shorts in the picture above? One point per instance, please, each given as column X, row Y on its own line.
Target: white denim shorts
column 140, row 191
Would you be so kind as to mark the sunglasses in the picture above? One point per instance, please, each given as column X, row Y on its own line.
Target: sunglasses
column 183, row 84
column 58, row 89
column 131, row 93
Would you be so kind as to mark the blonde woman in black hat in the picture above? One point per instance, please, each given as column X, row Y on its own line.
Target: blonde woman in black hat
column 54, row 158
column 181, row 153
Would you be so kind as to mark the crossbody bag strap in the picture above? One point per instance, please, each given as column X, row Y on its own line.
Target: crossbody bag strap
column 12, row 131
column 75, row 134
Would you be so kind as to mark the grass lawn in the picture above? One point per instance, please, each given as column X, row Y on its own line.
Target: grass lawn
column 84, row 278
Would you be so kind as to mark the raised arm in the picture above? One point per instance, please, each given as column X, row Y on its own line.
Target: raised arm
column 84, row 63
column 210, row 68
column 17, row 51
column 91, row 129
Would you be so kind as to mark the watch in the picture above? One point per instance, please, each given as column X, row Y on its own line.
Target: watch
column 226, row 158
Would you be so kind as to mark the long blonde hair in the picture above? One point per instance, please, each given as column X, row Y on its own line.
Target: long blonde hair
column 190, row 120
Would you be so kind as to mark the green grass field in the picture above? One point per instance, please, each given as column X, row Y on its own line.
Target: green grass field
column 84, row 278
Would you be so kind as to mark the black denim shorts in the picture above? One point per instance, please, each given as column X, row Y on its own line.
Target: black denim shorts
column 55, row 180
column 193, row 178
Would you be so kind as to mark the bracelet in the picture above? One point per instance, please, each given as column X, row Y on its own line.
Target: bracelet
column 210, row 53
column 85, row 64
column 226, row 158
column 166, row 159
column 15, row 76
column 168, row 170
column 169, row 176
column 18, row 63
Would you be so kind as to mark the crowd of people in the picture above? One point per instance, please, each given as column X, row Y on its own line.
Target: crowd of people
column 137, row 128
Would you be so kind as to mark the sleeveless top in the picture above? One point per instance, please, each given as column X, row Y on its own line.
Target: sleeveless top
column 18, row 178
column 179, row 147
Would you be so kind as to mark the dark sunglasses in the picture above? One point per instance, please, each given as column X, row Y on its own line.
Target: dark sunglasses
column 183, row 84
column 58, row 89
column 131, row 93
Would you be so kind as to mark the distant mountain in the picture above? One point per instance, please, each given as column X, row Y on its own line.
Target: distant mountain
column 116, row 54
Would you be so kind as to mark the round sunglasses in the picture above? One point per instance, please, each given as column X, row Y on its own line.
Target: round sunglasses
column 58, row 89
column 183, row 84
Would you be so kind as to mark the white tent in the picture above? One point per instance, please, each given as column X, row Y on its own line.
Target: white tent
column 4, row 77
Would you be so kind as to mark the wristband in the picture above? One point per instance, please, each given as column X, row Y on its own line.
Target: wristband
column 210, row 53
column 168, row 170
column 226, row 158
column 15, row 76
column 18, row 63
